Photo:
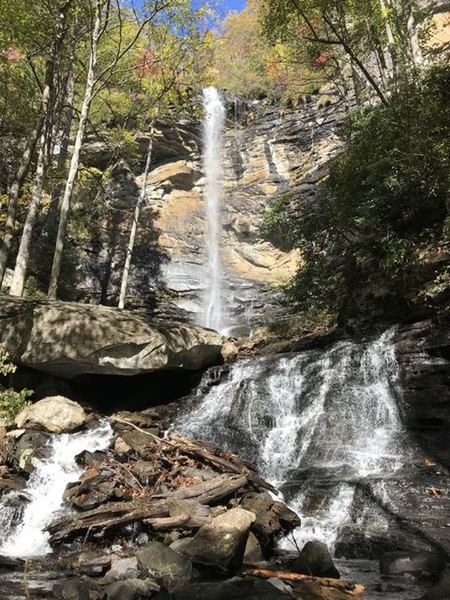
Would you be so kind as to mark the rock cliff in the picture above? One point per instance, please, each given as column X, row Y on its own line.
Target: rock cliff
column 267, row 150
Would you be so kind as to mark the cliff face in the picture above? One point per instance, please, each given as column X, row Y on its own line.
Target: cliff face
column 266, row 150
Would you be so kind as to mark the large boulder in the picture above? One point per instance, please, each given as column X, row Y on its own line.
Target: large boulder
column 221, row 543
column 55, row 414
column 315, row 559
column 69, row 339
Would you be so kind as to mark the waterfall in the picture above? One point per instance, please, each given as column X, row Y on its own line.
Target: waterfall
column 26, row 534
column 316, row 423
column 213, row 126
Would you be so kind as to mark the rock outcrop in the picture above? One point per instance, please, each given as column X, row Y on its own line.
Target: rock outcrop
column 68, row 339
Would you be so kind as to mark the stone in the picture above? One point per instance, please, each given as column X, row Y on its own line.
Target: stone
column 221, row 543
column 441, row 591
column 93, row 564
column 122, row 568
column 422, row 564
column 315, row 559
column 137, row 441
column 131, row 589
column 32, row 444
column 253, row 553
column 234, row 589
column 68, row 339
column 121, row 447
column 229, row 351
column 144, row 471
column 55, row 414
column 164, row 563
column 71, row 589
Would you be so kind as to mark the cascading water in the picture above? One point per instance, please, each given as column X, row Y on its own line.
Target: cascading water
column 213, row 126
column 25, row 531
column 318, row 423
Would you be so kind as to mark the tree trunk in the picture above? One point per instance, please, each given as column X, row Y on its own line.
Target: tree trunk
column 74, row 164
column 52, row 217
column 23, row 255
column 390, row 39
column 14, row 192
column 318, row 584
column 134, row 225
column 21, row 267
column 413, row 35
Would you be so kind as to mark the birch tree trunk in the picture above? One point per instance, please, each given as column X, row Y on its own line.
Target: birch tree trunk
column 134, row 225
column 23, row 255
column 413, row 35
column 390, row 38
column 14, row 192
column 52, row 216
column 75, row 161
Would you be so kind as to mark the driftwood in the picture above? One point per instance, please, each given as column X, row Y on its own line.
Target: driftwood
column 224, row 461
column 207, row 452
column 347, row 588
column 154, row 509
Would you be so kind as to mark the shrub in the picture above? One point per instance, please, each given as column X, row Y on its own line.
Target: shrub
column 11, row 402
column 385, row 200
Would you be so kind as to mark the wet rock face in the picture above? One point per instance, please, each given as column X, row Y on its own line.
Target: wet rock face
column 267, row 150
column 74, row 339
column 423, row 353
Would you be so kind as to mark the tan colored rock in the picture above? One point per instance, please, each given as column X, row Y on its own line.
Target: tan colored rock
column 229, row 351
column 69, row 339
column 55, row 414
column 178, row 174
column 121, row 447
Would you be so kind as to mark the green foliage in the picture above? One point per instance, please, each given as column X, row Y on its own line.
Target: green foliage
column 385, row 202
column 277, row 223
column 11, row 402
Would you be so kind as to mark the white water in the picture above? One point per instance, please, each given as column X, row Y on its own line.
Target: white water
column 317, row 422
column 26, row 537
column 213, row 126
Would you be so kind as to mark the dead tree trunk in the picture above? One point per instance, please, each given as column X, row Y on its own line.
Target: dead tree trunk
column 134, row 225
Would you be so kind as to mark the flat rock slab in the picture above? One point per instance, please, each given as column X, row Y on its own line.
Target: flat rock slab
column 68, row 339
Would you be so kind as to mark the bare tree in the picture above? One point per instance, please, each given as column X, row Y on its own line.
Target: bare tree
column 102, row 10
column 20, row 270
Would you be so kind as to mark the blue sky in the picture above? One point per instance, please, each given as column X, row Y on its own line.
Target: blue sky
column 223, row 5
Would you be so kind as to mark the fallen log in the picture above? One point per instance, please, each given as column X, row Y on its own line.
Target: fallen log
column 209, row 492
column 114, row 514
column 224, row 461
column 318, row 585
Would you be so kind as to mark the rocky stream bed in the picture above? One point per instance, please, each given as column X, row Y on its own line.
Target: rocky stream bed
column 151, row 514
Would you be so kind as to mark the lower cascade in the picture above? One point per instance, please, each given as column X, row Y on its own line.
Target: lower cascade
column 26, row 534
column 317, row 424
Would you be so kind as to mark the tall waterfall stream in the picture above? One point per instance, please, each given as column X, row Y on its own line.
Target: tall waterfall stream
column 213, row 126
column 315, row 423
